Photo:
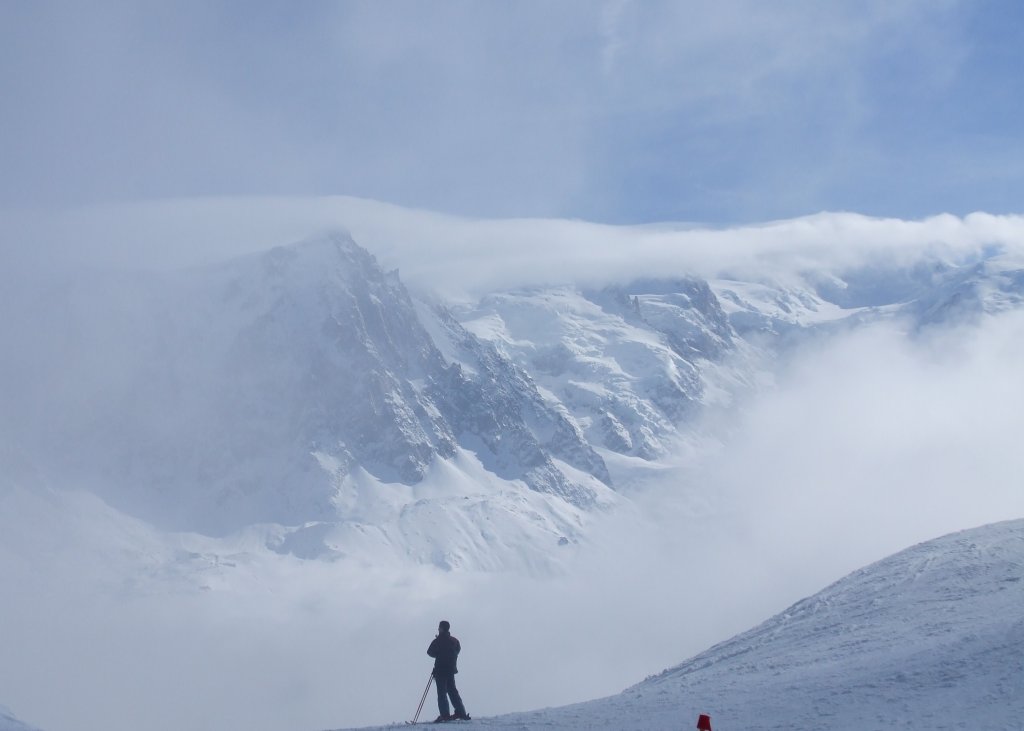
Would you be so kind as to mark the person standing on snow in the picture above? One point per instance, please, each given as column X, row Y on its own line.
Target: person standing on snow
column 445, row 651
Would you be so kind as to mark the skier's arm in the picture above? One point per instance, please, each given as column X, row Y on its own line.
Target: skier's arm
column 432, row 650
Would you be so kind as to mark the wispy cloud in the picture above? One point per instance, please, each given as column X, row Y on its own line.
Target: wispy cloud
column 467, row 256
column 869, row 443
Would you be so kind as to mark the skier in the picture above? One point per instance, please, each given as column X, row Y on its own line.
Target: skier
column 445, row 651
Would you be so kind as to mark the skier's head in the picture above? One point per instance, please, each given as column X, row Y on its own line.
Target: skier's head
column 444, row 627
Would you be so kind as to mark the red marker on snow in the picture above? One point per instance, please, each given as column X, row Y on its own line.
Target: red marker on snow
column 704, row 722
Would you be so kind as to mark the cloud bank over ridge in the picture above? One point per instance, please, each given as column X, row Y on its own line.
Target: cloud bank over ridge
column 469, row 256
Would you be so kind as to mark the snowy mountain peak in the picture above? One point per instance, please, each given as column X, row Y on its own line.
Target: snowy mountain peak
column 261, row 389
column 302, row 384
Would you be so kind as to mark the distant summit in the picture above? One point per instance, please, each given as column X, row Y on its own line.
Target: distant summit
column 304, row 387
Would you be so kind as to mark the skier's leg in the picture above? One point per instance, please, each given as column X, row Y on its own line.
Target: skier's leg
column 441, row 680
column 460, row 710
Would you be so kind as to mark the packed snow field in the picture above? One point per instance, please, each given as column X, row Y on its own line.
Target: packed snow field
column 240, row 494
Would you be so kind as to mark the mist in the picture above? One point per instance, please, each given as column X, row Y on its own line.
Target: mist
column 459, row 256
column 868, row 442
column 148, row 140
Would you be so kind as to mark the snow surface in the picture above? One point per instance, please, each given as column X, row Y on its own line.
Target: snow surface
column 931, row 638
column 623, row 383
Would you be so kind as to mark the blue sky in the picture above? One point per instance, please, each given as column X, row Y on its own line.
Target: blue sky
column 617, row 111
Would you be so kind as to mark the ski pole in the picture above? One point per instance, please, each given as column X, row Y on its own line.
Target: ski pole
column 419, row 708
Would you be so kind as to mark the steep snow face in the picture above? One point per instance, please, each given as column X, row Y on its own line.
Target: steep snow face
column 249, row 392
column 491, row 400
column 630, row 365
column 931, row 638
column 309, row 349
column 238, row 373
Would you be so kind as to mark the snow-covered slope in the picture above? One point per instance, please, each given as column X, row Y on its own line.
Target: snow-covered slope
column 931, row 638
column 628, row 363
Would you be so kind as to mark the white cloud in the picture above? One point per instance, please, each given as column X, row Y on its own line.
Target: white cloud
column 876, row 440
column 469, row 256
column 870, row 443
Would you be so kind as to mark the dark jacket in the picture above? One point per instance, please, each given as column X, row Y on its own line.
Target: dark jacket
column 445, row 651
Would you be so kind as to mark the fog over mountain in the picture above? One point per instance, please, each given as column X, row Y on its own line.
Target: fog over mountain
column 605, row 330
column 292, row 453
